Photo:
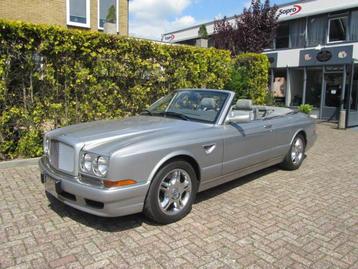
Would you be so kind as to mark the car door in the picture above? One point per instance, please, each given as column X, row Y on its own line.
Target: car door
column 246, row 144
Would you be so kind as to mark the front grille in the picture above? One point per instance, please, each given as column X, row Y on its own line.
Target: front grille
column 62, row 156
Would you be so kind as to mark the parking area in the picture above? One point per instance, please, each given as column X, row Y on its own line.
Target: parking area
column 270, row 219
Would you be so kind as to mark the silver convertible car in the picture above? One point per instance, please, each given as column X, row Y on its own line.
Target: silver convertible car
column 186, row 142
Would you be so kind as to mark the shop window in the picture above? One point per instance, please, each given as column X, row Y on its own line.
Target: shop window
column 354, row 94
column 78, row 13
column 279, row 85
column 107, row 11
column 337, row 28
column 282, row 36
column 314, row 87
column 317, row 29
column 296, row 86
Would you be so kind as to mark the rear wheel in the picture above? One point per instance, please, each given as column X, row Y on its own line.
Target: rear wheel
column 171, row 193
column 295, row 156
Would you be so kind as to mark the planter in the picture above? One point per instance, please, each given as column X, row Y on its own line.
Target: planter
column 110, row 28
column 202, row 43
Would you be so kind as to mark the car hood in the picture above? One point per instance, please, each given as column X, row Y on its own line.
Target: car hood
column 123, row 131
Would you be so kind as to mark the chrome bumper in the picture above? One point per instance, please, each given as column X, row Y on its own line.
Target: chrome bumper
column 94, row 200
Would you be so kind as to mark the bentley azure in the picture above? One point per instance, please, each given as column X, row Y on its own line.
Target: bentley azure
column 188, row 141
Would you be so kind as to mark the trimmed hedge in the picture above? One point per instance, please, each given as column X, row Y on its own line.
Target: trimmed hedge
column 52, row 77
column 250, row 76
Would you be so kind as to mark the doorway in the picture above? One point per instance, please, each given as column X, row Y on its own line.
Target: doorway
column 332, row 92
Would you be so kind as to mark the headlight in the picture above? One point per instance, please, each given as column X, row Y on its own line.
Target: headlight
column 100, row 166
column 86, row 163
column 94, row 164
column 46, row 146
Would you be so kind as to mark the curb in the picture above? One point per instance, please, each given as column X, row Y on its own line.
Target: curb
column 18, row 163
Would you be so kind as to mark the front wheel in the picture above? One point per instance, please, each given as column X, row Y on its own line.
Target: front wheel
column 171, row 193
column 295, row 156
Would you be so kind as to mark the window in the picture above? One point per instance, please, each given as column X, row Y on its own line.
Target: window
column 317, row 27
column 337, row 28
column 282, row 37
column 314, row 87
column 297, row 33
column 107, row 12
column 279, row 85
column 296, row 86
column 78, row 13
column 354, row 26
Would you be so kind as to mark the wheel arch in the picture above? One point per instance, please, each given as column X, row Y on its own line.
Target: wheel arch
column 182, row 155
column 302, row 132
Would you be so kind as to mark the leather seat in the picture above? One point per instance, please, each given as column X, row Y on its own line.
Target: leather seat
column 244, row 107
column 207, row 104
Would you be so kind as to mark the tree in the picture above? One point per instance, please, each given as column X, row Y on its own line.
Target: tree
column 111, row 15
column 203, row 33
column 253, row 31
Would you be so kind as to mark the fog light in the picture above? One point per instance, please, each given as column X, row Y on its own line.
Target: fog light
column 120, row 183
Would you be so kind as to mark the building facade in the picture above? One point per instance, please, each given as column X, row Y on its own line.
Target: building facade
column 314, row 58
column 80, row 14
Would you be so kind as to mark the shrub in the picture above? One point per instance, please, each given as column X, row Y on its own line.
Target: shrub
column 52, row 77
column 249, row 77
column 306, row 108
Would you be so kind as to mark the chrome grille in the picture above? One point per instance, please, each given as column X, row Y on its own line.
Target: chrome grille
column 62, row 156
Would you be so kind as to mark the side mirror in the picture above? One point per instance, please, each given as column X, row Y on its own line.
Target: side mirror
column 232, row 118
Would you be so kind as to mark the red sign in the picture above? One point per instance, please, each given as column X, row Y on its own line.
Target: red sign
column 290, row 11
column 169, row 38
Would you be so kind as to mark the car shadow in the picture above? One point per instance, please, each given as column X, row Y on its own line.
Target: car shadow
column 118, row 224
column 211, row 193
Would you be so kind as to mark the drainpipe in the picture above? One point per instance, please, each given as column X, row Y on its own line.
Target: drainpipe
column 342, row 112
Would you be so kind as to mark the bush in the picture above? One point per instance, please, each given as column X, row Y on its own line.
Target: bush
column 306, row 108
column 52, row 77
column 250, row 77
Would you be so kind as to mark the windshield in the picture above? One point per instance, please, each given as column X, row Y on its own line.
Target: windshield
column 196, row 105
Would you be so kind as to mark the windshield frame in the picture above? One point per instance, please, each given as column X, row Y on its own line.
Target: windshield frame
column 219, row 118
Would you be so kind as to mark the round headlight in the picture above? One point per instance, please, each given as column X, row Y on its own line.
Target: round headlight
column 86, row 162
column 101, row 167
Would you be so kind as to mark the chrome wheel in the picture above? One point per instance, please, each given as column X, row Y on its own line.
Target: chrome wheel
column 297, row 151
column 174, row 192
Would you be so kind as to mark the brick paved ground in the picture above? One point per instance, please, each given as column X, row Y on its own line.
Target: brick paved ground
column 278, row 219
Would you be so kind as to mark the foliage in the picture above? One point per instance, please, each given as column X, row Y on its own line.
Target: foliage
column 250, row 77
column 52, row 77
column 111, row 15
column 253, row 31
column 305, row 108
column 203, row 33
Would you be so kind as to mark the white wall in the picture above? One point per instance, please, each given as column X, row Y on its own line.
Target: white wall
column 288, row 12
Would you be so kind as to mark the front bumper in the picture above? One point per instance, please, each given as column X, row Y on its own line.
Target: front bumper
column 94, row 200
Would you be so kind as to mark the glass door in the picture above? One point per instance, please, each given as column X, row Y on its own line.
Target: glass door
column 332, row 91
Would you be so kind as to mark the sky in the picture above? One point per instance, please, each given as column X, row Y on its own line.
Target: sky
column 152, row 18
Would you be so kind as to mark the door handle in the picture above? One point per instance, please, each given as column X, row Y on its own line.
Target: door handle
column 268, row 126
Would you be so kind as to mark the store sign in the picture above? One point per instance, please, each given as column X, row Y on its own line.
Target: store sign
column 327, row 56
column 290, row 11
column 169, row 38
column 324, row 56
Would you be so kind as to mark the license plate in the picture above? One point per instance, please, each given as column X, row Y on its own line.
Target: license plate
column 50, row 184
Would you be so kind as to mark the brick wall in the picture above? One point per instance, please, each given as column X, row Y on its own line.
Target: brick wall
column 54, row 12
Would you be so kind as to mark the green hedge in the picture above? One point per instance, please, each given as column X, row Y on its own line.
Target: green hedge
column 250, row 77
column 52, row 77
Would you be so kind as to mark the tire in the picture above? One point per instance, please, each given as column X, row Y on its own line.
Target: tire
column 172, row 193
column 296, row 154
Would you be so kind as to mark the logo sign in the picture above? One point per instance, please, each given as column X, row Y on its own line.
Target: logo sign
column 342, row 54
column 169, row 38
column 324, row 56
column 290, row 11
column 308, row 57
